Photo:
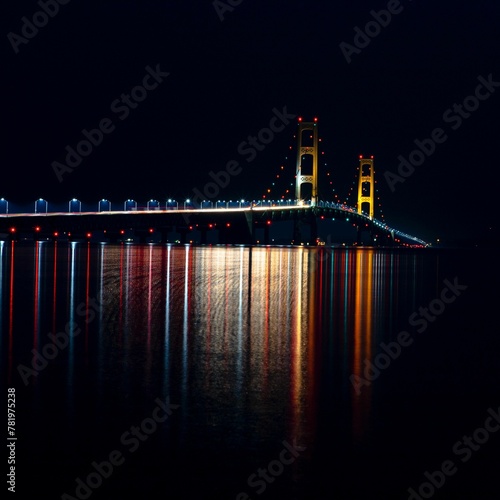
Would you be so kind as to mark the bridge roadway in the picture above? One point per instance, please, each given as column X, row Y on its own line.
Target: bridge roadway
column 234, row 225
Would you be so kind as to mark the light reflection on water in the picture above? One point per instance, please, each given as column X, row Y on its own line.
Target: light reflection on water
column 248, row 341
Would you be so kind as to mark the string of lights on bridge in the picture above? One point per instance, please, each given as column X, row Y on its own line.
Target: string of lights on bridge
column 287, row 170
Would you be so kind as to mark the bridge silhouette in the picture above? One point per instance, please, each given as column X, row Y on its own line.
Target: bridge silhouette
column 233, row 222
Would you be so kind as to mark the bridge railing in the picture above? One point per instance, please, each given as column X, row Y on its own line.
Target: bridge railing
column 75, row 206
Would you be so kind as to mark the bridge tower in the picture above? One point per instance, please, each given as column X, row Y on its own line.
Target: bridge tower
column 366, row 185
column 311, row 149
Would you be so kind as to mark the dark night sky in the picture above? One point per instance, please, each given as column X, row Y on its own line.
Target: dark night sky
column 226, row 78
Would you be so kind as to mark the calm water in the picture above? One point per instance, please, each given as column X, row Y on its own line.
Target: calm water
column 255, row 347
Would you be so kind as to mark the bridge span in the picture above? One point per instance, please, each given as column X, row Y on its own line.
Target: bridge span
column 237, row 225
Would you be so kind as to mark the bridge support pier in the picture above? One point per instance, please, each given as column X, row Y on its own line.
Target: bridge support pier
column 297, row 231
column 142, row 234
column 359, row 236
column 251, row 226
column 266, row 234
column 223, row 236
column 313, row 225
column 113, row 236
column 305, row 229
column 183, row 231
column 203, row 235
column 9, row 236
column 164, row 235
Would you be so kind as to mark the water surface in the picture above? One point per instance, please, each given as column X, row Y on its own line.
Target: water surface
column 256, row 346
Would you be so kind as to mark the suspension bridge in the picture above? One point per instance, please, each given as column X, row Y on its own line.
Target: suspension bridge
column 224, row 222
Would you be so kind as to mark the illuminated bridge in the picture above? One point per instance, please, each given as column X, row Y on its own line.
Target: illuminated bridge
column 240, row 222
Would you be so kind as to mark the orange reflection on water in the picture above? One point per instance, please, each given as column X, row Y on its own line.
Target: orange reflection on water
column 362, row 333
